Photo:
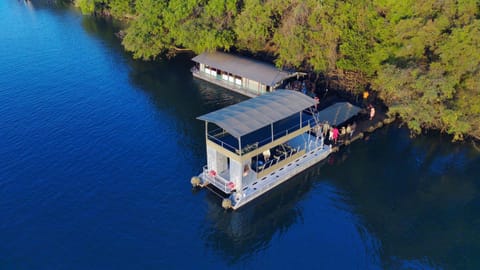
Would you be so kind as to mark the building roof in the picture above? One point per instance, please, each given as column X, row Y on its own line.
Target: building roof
column 338, row 113
column 247, row 68
column 252, row 114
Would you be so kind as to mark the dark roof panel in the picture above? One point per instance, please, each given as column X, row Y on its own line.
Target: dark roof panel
column 338, row 113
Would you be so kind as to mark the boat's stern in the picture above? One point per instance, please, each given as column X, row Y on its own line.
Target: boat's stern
column 211, row 177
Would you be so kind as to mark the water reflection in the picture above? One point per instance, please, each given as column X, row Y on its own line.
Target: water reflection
column 39, row 4
column 308, row 203
column 105, row 29
column 168, row 81
column 421, row 200
column 239, row 234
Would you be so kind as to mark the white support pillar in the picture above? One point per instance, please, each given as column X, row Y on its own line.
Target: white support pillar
column 240, row 146
column 216, row 161
column 236, row 173
column 212, row 159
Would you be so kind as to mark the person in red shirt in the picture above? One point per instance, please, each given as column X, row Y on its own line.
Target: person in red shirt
column 335, row 135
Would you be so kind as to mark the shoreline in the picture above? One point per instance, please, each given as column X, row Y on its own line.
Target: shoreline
column 318, row 81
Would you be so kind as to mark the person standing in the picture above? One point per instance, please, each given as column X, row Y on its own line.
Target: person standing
column 372, row 112
column 335, row 135
column 326, row 128
column 352, row 129
column 317, row 100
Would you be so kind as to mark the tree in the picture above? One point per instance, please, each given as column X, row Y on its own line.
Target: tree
column 422, row 57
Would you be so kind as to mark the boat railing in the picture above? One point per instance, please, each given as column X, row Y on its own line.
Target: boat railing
column 284, row 132
column 217, row 180
column 291, row 129
column 216, row 134
column 223, row 144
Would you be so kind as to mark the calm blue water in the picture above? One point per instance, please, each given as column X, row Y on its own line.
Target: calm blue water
column 97, row 151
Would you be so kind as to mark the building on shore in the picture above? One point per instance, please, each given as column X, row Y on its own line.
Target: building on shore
column 240, row 74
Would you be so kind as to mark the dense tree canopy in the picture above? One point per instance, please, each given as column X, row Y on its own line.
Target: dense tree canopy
column 421, row 57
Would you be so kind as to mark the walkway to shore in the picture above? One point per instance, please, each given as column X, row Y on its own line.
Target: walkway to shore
column 363, row 124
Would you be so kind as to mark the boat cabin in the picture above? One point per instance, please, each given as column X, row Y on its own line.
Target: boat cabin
column 240, row 74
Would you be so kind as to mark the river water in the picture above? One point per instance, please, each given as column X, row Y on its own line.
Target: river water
column 97, row 151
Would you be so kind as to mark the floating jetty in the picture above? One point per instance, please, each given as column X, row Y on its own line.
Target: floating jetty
column 257, row 144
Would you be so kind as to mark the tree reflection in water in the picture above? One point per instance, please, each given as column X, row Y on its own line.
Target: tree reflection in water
column 332, row 230
column 238, row 234
column 419, row 197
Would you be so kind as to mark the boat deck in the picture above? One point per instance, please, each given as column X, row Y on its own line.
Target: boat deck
column 262, row 136
column 317, row 152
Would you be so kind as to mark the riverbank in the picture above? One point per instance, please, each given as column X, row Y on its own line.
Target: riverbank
column 375, row 53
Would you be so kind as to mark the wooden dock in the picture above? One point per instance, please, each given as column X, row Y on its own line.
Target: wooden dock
column 365, row 127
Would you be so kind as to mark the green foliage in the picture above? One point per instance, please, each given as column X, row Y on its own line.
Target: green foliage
column 432, row 60
column 207, row 26
column 422, row 57
column 164, row 27
column 121, row 8
column 118, row 8
column 86, row 6
column 254, row 26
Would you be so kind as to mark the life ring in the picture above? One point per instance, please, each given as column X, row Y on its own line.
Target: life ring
column 212, row 173
column 231, row 185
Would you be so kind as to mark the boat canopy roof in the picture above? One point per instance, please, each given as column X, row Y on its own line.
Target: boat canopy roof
column 338, row 113
column 247, row 68
column 252, row 114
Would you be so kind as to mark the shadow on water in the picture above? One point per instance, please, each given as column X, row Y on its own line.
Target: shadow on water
column 167, row 82
column 49, row 4
column 421, row 198
column 173, row 91
column 239, row 234
column 105, row 29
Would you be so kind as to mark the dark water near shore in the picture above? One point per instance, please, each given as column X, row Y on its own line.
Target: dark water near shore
column 97, row 151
